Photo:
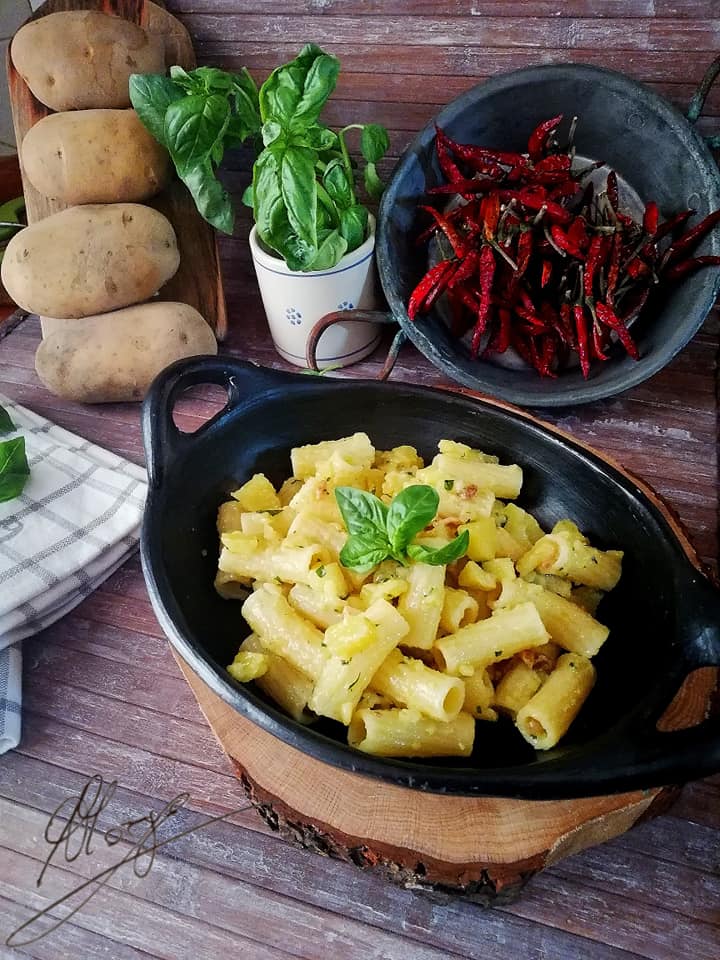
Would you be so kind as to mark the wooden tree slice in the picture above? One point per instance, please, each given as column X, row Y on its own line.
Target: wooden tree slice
column 483, row 849
column 198, row 281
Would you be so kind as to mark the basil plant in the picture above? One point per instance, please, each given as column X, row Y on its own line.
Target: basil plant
column 304, row 191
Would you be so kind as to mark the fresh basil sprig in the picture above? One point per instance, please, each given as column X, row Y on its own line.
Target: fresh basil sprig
column 14, row 469
column 378, row 531
column 303, row 192
column 196, row 115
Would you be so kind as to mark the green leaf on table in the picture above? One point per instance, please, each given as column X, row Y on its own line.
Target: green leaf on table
column 6, row 424
column 443, row 555
column 151, row 94
column 14, row 469
column 410, row 512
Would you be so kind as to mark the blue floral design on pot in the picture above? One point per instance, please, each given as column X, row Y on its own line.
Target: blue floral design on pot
column 294, row 316
column 346, row 305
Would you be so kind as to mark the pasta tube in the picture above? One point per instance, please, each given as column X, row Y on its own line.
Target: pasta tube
column 459, row 609
column 285, row 684
column 518, row 685
column 547, row 716
column 503, row 481
column 422, row 604
column 502, row 635
column 342, row 680
column 284, row 632
column 409, row 682
column 479, row 695
column 570, row 626
column 568, row 556
column 407, row 733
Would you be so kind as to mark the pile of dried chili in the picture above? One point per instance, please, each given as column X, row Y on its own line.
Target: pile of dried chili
column 537, row 259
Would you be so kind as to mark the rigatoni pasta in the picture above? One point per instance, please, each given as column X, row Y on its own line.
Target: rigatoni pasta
column 477, row 615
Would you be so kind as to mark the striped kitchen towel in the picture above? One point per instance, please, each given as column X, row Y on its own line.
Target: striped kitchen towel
column 76, row 521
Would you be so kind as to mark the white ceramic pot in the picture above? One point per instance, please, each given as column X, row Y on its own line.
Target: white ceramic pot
column 294, row 302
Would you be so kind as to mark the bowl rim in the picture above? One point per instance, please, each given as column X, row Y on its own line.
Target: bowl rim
column 548, row 780
column 589, row 391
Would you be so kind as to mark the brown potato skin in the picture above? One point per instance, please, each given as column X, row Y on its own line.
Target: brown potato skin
column 81, row 59
column 90, row 259
column 114, row 357
column 94, row 156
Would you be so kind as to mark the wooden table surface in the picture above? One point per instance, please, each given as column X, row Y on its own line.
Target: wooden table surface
column 102, row 693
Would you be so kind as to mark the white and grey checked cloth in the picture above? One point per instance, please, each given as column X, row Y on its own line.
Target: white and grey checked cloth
column 76, row 521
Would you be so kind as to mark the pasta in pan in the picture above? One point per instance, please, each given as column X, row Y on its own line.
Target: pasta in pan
column 409, row 601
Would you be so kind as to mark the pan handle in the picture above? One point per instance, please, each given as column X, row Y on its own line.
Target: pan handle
column 361, row 316
column 699, row 626
column 698, row 100
column 161, row 438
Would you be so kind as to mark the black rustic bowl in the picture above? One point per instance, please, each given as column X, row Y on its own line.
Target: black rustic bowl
column 664, row 615
column 653, row 148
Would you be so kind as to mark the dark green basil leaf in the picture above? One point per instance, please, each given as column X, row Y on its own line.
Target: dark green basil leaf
column 295, row 93
column 299, row 192
column 441, row 557
column 211, row 198
column 212, row 79
column 14, row 469
column 247, row 198
column 317, row 137
column 363, row 513
column 331, row 249
column 362, row 554
column 6, row 424
column 336, row 182
column 353, row 226
column 246, row 115
column 151, row 94
column 374, row 142
column 410, row 512
column 271, row 131
column 193, row 126
column 271, row 216
column 373, row 183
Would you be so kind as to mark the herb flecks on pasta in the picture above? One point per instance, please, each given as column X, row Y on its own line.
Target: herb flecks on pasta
column 407, row 601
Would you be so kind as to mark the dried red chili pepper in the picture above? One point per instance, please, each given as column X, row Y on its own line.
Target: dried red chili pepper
column 486, row 273
column 651, row 218
column 595, row 258
column 637, row 268
column 567, row 325
column 546, row 273
column 598, row 342
column 548, row 352
column 491, row 215
column 680, row 248
column 539, row 137
column 447, row 165
column 465, row 186
column 470, row 152
column 448, row 228
column 685, row 267
column 608, row 316
column 581, row 331
column 557, row 162
column 465, row 270
column 429, row 283
column 562, row 240
column 613, row 268
column 578, row 234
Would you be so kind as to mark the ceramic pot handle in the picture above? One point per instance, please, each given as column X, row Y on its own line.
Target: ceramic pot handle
column 698, row 100
column 361, row 316
column 161, row 438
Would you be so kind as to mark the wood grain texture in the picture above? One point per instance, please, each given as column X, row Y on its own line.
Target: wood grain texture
column 104, row 694
column 197, row 281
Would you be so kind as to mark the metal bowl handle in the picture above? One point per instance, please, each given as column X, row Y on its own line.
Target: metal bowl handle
column 361, row 316
column 162, row 439
column 698, row 100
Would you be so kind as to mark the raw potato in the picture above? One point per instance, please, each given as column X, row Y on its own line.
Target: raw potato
column 94, row 156
column 91, row 259
column 115, row 357
column 80, row 59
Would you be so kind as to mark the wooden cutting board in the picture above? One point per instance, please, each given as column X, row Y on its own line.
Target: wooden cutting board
column 198, row 281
